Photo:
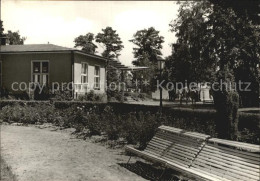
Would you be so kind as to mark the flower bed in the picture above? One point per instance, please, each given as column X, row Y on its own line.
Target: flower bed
column 136, row 124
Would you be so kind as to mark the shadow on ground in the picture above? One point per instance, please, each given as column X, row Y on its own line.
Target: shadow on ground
column 6, row 172
column 153, row 172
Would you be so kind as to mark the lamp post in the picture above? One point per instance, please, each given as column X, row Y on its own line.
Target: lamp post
column 160, row 67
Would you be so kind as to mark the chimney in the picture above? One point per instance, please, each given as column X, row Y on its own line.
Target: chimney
column 3, row 39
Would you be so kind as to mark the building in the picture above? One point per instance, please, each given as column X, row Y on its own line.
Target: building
column 52, row 65
column 205, row 95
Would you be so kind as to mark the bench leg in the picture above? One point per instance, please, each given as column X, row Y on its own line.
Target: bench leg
column 129, row 159
column 161, row 174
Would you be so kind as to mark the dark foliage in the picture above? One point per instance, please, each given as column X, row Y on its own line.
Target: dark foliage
column 136, row 124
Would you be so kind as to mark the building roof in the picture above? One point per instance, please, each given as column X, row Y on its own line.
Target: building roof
column 9, row 49
column 33, row 48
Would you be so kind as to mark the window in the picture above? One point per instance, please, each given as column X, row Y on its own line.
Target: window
column 97, row 77
column 40, row 72
column 84, row 73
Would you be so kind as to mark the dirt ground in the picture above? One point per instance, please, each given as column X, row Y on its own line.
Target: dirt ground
column 46, row 155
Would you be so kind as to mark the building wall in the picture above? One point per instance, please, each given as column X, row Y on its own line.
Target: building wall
column 91, row 62
column 17, row 68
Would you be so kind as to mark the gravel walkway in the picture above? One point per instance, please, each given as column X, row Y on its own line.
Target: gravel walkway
column 42, row 155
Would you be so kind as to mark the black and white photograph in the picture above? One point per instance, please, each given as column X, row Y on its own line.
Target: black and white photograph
column 96, row 90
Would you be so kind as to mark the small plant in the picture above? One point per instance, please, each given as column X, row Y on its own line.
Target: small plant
column 92, row 96
column 113, row 123
column 62, row 94
column 94, row 122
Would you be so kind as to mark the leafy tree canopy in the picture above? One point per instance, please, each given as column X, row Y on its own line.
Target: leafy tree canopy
column 14, row 38
column 85, row 42
column 111, row 41
column 148, row 45
column 212, row 37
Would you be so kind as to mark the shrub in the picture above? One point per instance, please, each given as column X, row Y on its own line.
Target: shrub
column 3, row 92
column 62, row 94
column 94, row 122
column 139, row 127
column 41, row 94
column 113, row 123
column 249, row 128
column 142, row 96
column 67, row 104
column 28, row 114
column 197, row 120
column 112, row 99
column 150, row 123
column 120, row 97
column 226, row 104
column 134, row 123
column 132, row 128
column 91, row 96
column 127, row 94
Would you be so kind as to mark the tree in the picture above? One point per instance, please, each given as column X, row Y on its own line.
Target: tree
column 85, row 42
column 112, row 42
column 239, row 48
column 214, row 38
column 148, row 44
column 112, row 47
column 248, row 9
column 190, row 56
column 14, row 38
column 1, row 28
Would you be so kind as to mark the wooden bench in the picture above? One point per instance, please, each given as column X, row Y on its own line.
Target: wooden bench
column 200, row 156
column 229, row 160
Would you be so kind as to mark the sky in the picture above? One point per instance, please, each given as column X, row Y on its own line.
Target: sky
column 60, row 23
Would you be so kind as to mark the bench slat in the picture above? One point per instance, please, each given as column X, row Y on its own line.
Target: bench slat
column 174, row 153
column 185, row 133
column 145, row 155
column 214, row 176
column 188, row 139
column 242, row 154
column 215, row 171
column 222, row 167
column 188, row 142
column 178, row 131
column 236, row 144
column 227, row 159
column 196, row 173
column 183, row 147
column 213, row 161
column 175, row 159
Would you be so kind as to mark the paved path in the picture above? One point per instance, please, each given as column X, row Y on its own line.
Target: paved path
column 42, row 155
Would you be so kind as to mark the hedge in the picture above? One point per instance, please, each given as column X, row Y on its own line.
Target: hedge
column 4, row 103
column 190, row 118
column 135, row 118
